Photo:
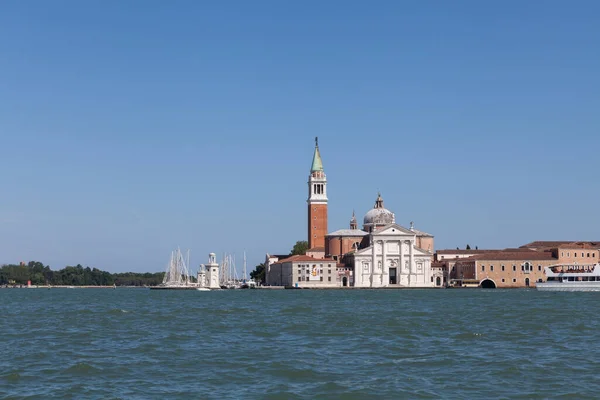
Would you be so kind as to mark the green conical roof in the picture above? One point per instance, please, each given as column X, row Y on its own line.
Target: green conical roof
column 317, row 164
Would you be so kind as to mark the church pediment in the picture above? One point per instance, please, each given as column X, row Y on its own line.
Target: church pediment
column 393, row 230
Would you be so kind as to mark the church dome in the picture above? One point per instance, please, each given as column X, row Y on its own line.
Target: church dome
column 378, row 215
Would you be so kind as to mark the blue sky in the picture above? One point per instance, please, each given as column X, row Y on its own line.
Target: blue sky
column 129, row 128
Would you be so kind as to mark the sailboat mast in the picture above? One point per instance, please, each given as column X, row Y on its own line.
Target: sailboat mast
column 187, row 266
column 244, row 271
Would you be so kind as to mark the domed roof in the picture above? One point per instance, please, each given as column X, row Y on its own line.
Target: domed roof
column 379, row 215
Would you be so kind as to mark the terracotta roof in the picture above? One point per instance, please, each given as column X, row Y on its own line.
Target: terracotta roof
column 580, row 245
column 457, row 260
column 302, row 258
column 463, row 251
column 564, row 244
column 316, row 249
column 546, row 243
column 515, row 255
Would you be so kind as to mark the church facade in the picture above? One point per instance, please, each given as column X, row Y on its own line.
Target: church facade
column 383, row 254
column 392, row 259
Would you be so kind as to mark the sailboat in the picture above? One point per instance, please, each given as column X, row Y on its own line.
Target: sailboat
column 228, row 277
column 244, row 284
column 177, row 275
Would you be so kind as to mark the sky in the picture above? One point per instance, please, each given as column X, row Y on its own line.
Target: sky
column 129, row 128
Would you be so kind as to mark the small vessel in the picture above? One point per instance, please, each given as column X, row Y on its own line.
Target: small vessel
column 571, row 278
column 177, row 276
column 203, row 289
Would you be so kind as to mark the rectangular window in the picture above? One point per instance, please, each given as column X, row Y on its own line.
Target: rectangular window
column 503, row 268
column 321, row 279
column 588, row 254
column 514, row 280
column 502, row 279
column 299, row 279
column 329, row 279
column 514, row 268
column 539, row 267
column 482, row 268
column 562, row 253
column 491, row 268
column 329, row 271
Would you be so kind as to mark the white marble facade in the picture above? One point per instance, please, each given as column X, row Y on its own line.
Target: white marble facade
column 392, row 260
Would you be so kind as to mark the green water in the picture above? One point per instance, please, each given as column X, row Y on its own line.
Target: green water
column 297, row 344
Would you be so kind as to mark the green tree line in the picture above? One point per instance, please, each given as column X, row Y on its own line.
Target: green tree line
column 40, row 274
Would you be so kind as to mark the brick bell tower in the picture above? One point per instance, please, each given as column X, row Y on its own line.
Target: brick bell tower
column 317, row 202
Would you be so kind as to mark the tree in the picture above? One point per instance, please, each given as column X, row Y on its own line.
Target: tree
column 258, row 275
column 299, row 248
column 468, row 247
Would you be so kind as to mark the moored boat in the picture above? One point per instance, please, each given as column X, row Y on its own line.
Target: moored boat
column 571, row 278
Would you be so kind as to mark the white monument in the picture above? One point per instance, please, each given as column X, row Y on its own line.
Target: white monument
column 212, row 272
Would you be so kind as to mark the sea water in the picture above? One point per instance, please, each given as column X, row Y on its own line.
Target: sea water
column 297, row 344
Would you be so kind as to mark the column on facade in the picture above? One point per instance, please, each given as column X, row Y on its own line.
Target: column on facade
column 401, row 262
column 384, row 282
column 412, row 262
column 373, row 261
column 409, row 255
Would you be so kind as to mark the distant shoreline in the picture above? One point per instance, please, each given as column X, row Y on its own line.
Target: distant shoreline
column 68, row 287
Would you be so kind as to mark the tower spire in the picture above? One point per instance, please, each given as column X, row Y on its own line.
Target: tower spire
column 317, row 163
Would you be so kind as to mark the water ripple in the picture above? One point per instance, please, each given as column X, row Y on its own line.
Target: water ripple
column 255, row 344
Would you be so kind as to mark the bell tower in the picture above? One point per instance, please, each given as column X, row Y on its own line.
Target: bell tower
column 317, row 201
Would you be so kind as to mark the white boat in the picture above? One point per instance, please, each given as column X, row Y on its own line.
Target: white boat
column 177, row 274
column 571, row 278
column 203, row 289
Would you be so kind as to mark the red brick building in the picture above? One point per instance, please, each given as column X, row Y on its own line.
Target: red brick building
column 514, row 268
